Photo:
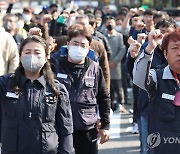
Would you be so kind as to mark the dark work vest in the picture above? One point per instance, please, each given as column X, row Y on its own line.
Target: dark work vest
column 82, row 98
column 164, row 117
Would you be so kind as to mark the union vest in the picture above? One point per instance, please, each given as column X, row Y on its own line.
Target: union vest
column 83, row 99
column 164, row 118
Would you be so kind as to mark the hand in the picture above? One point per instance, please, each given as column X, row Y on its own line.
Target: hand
column 140, row 11
column 103, row 135
column 141, row 37
column 134, row 49
column 130, row 40
column 98, row 124
column 65, row 15
column 55, row 15
column 112, row 65
column 132, row 12
column 35, row 31
column 46, row 18
column 154, row 38
column 140, row 25
column 51, row 43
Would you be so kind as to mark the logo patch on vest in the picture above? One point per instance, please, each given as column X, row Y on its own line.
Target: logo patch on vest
column 12, row 95
column 168, row 96
column 63, row 76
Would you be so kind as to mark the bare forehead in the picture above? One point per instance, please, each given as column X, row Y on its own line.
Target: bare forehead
column 32, row 45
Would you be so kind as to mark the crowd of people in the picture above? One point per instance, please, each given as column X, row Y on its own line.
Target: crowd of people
column 62, row 73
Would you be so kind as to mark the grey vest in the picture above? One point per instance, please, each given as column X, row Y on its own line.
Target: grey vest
column 83, row 99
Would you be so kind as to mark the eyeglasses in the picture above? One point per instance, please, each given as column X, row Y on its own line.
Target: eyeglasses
column 76, row 43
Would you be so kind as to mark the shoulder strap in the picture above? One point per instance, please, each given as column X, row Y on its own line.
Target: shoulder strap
column 159, row 74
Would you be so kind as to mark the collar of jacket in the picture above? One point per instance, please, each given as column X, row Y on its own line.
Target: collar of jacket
column 41, row 80
column 111, row 35
column 64, row 61
column 167, row 74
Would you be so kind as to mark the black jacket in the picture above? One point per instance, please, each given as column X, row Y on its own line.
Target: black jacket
column 35, row 121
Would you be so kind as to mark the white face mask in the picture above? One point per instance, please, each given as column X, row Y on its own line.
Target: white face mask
column 20, row 24
column 8, row 26
column 32, row 63
column 27, row 18
column 160, row 42
column 118, row 28
column 77, row 53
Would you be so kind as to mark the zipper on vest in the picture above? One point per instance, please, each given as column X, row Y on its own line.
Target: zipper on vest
column 31, row 100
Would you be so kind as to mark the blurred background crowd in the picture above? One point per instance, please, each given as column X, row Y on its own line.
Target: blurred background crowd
column 115, row 25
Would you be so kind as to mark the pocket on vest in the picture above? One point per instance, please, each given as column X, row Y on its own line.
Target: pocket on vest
column 88, row 114
column 9, row 136
column 49, row 138
column 10, row 107
column 50, row 111
column 89, row 82
column 167, row 111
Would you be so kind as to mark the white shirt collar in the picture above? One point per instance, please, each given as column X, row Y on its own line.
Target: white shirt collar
column 167, row 73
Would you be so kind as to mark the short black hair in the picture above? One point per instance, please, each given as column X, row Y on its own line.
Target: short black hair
column 166, row 23
column 148, row 12
column 122, row 13
column 109, row 17
column 53, row 5
column 72, row 11
column 78, row 29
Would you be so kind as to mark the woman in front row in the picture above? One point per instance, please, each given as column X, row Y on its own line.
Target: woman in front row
column 35, row 108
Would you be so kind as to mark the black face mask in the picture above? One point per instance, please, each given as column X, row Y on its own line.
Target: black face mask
column 110, row 27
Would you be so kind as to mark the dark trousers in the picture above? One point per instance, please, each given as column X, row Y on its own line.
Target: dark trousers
column 124, row 83
column 135, row 96
column 85, row 142
column 117, row 90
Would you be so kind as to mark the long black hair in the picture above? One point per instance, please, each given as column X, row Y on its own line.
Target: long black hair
column 46, row 70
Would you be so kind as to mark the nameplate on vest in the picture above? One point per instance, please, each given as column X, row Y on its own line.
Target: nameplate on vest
column 168, row 96
column 63, row 76
column 48, row 93
column 12, row 95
